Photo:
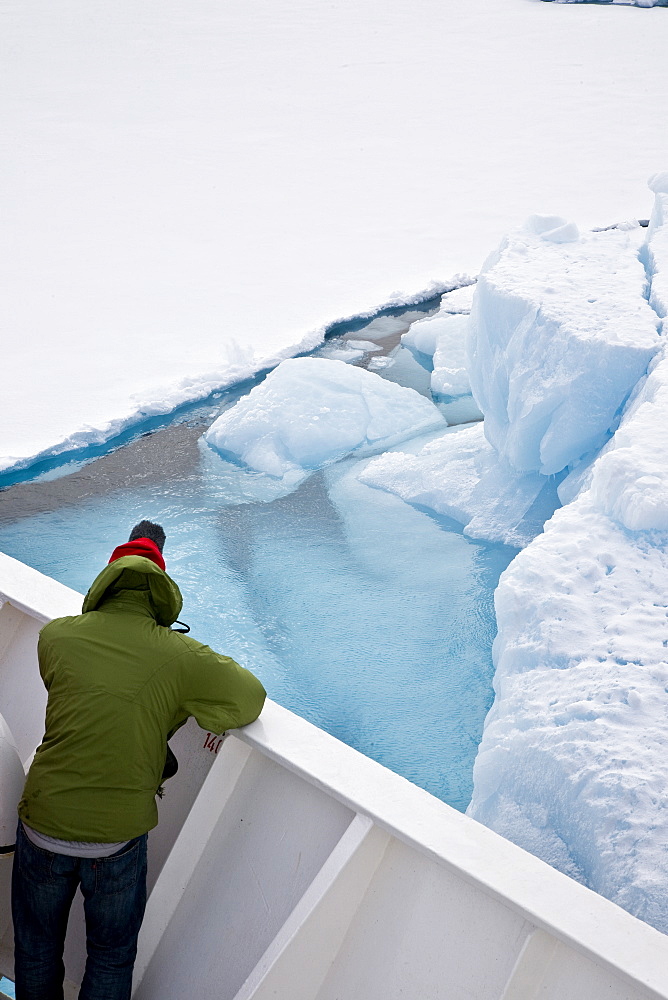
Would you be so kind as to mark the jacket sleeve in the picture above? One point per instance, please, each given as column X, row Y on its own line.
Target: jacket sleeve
column 217, row 691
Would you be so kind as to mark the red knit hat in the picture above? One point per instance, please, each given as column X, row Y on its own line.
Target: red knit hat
column 139, row 547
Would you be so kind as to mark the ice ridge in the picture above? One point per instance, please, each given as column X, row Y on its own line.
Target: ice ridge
column 573, row 762
column 551, row 364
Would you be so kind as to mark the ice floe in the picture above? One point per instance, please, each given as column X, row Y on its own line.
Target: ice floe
column 443, row 339
column 439, row 345
column 458, row 474
column 310, row 412
column 442, row 475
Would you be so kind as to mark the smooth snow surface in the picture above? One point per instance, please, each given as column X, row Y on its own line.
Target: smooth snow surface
column 626, row 3
column 195, row 191
column 573, row 763
column 310, row 412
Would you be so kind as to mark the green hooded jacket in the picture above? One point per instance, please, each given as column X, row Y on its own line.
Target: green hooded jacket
column 119, row 683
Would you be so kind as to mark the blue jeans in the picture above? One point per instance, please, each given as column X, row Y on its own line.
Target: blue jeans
column 43, row 887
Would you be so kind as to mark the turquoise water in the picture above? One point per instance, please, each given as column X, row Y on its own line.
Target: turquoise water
column 360, row 613
column 365, row 616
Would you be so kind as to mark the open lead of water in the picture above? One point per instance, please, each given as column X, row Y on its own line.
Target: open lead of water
column 364, row 615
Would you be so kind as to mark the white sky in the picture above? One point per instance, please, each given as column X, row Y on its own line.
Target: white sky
column 180, row 174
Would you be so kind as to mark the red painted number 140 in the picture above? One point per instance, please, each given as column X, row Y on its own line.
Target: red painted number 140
column 212, row 743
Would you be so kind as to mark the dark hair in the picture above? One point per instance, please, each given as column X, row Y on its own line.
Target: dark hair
column 147, row 529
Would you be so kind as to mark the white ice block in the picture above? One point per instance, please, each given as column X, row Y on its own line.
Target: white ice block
column 310, row 412
column 560, row 334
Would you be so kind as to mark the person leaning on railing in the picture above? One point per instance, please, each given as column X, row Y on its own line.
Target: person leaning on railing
column 120, row 682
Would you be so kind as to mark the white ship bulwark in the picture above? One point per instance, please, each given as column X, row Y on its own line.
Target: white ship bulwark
column 287, row 865
column 12, row 777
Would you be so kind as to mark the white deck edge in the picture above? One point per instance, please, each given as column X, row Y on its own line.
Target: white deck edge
column 546, row 898
column 37, row 595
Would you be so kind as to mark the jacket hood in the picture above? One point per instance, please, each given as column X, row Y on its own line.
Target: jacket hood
column 165, row 596
column 139, row 547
